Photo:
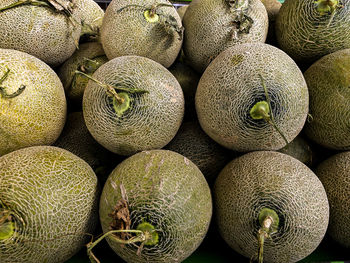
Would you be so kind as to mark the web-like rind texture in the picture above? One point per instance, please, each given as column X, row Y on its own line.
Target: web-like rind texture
column 335, row 176
column 39, row 31
column 55, row 193
column 233, row 84
column 267, row 179
column 128, row 32
column 167, row 190
column 38, row 114
column 152, row 119
column 209, row 30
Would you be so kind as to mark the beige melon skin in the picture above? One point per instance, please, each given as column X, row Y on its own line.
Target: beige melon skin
column 152, row 119
column 209, row 29
column 39, row 31
column 37, row 115
column 328, row 81
column 307, row 35
column 168, row 191
column 267, row 179
column 53, row 196
column 125, row 31
column 91, row 16
column 335, row 176
column 233, row 83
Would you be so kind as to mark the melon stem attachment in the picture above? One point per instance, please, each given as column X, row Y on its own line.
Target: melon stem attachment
column 3, row 92
column 141, row 236
column 7, row 224
column 263, row 110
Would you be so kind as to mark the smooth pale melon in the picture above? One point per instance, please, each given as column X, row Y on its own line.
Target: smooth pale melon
column 145, row 112
column 212, row 26
column 335, row 176
column 41, row 29
column 37, row 114
column 309, row 29
column 48, row 201
column 265, row 184
column 165, row 190
column 236, row 84
column 143, row 28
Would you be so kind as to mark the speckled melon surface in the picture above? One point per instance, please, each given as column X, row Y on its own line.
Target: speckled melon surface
column 37, row 115
column 234, row 82
column 91, row 16
column 328, row 81
column 307, row 33
column 267, row 179
column 52, row 196
column 152, row 118
column 211, row 26
column 166, row 190
column 335, row 176
column 126, row 31
column 40, row 31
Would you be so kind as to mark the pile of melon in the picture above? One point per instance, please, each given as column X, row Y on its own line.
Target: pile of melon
column 146, row 131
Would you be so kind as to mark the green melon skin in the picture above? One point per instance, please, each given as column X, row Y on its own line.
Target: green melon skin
column 210, row 28
column 87, row 59
column 233, row 84
column 192, row 142
column 166, row 190
column 37, row 115
column 334, row 175
column 126, row 31
column 152, row 118
column 328, row 81
column 267, row 179
column 53, row 196
column 300, row 149
column 39, row 31
column 307, row 34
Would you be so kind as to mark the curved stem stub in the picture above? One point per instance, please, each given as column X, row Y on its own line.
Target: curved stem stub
column 3, row 93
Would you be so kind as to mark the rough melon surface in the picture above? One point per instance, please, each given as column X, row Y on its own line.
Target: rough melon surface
column 334, row 175
column 126, row 30
column 234, row 83
column 91, row 17
column 308, row 29
column 40, row 31
column 166, row 190
column 146, row 120
column 267, row 179
column 52, row 196
column 211, row 26
column 328, row 81
column 37, row 115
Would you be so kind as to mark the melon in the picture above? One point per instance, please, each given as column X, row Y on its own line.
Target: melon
column 32, row 102
column 270, row 206
column 253, row 96
column 308, row 29
column 134, row 104
column 48, row 203
column 48, row 30
column 143, row 28
column 212, row 26
column 163, row 195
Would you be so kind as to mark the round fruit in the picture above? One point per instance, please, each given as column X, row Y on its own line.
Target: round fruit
column 328, row 81
column 136, row 104
column 143, row 28
column 273, row 204
column 212, row 26
column 32, row 102
column 48, row 201
column 252, row 97
column 335, row 176
column 87, row 59
column 272, row 8
column 182, row 10
column 48, row 30
column 164, row 195
column 191, row 141
column 309, row 29
column 300, row 149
